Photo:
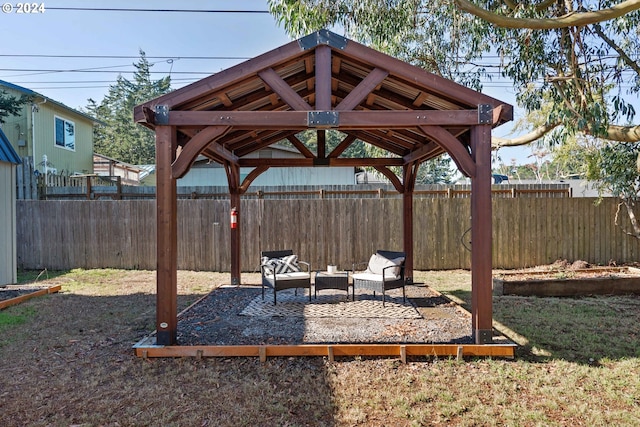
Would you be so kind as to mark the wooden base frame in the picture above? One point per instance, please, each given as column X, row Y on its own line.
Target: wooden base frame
column 147, row 348
column 22, row 298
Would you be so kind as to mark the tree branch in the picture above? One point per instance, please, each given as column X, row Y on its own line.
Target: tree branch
column 632, row 218
column 627, row 60
column 524, row 139
column 569, row 20
column 623, row 133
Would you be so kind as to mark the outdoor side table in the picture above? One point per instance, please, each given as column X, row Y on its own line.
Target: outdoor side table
column 326, row 280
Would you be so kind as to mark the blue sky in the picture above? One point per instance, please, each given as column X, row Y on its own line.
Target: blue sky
column 167, row 38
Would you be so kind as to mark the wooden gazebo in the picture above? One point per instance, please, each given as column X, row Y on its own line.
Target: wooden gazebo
column 319, row 82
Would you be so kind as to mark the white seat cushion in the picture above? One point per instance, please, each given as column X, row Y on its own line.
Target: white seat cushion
column 296, row 275
column 373, row 277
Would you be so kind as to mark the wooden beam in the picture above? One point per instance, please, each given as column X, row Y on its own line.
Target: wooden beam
column 456, row 150
column 322, row 350
column 194, row 147
column 22, row 298
column 321, row 140
column 297, row 120
column 323, row 78
column 481, row 278
column 300, row 146
column 217, row 82
column 344, row 162
column 166, row 238
column 344, row 144
column 425, row 152
column 284, row 91
column 246, row 182
column 392, row 177
column 416, row 77
column 360, row 92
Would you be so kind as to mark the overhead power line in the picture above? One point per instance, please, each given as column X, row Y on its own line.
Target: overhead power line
column 175, row 57
column 118, row 9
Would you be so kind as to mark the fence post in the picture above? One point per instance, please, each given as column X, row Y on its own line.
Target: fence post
column 88, row 187
column 118, row 188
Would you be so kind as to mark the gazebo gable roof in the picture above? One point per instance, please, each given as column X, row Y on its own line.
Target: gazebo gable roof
column 323, row 78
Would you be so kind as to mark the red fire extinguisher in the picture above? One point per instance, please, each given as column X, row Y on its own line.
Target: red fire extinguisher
column 234, row 218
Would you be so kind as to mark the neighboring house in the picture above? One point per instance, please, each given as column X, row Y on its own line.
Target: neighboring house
column 129, row 174
column 579, row 187
column 49, row 130
column 8, row 161
column 206, row 173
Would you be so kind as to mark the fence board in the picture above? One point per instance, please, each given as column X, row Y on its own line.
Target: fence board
column 65, row 234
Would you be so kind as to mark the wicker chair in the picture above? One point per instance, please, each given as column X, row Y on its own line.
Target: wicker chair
column 281, row 270
column 385, row 270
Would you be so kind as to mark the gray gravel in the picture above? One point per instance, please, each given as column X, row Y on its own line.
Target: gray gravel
column 216, row 320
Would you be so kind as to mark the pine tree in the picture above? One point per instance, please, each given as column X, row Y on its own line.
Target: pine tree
column 120, row 137
column 10, row 105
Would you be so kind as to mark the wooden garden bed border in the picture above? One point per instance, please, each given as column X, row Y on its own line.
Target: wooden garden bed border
column 17, row 300
column 146, row 349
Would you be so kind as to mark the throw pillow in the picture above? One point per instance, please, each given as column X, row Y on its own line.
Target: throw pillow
column 287, row 264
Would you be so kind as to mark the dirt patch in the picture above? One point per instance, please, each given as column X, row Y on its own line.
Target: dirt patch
column 562, row 269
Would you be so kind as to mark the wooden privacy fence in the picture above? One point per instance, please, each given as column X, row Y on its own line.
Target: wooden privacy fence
column 97, row 187
column 121, row 234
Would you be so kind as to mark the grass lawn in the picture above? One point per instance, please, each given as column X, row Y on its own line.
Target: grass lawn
column 67, row 360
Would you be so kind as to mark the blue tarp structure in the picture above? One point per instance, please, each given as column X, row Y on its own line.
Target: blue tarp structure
column 7, row 153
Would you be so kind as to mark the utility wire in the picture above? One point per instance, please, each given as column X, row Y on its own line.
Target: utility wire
column 114, row 9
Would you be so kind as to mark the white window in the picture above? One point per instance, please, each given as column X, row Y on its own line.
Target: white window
column 65, row 133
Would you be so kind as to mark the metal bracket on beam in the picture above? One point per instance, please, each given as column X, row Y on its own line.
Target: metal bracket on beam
column 322, row 37
column 323, row 119
column 485, row 114
column 162, row 114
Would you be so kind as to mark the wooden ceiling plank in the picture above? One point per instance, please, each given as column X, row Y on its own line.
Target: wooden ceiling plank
column 284, row 91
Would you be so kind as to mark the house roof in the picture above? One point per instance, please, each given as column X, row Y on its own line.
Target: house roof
column 7, row 153
column 29, row 92
column 323, row 81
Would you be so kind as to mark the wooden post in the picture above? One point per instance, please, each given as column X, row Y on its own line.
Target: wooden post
column 235, row 239
column 481, row 289
column 407, row 221
column 167, row 238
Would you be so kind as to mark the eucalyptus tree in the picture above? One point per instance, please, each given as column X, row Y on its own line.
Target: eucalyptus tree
column 576, row 58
